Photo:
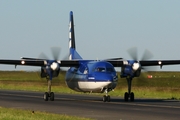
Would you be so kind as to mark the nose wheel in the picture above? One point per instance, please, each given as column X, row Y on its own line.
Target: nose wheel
column 106, row 98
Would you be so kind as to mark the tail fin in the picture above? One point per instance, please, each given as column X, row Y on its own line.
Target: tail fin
column 72, row 47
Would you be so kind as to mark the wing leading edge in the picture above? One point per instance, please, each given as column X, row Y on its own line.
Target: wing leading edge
column 75, row 63
column 120, row 63
column 38, row 62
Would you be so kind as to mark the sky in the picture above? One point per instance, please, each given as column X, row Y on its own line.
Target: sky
column 103, row 29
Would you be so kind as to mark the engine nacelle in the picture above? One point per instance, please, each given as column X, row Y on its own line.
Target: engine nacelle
column 44, row 72
column 137, row 73
column 56, row 73
column 124, row 72
column 130, row 71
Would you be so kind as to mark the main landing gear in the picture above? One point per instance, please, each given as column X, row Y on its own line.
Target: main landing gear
column 129, row 94
column 106, row 98
column 49, row 94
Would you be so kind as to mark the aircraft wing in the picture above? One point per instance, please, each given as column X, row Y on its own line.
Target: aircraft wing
column 120, row 63
column 159, row 62
column 63, row 63
column 75, row 63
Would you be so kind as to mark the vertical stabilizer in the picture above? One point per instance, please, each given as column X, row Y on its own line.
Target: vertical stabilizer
column 72, row 47
column 71, row 32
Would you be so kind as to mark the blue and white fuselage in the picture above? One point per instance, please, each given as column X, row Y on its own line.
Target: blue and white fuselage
column 92, row 76
column 89, row 75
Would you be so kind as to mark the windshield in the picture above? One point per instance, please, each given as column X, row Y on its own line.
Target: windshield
column 110, row 69
column 100, row 69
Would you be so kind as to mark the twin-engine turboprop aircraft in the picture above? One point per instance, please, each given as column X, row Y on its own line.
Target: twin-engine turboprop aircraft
column 89, row 75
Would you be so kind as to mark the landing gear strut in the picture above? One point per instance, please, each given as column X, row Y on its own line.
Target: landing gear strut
column 49, row 94
column 106, row 98
column 129, row 94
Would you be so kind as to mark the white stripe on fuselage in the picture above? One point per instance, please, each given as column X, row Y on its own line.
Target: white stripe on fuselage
column 92, row 85
column 83, row 86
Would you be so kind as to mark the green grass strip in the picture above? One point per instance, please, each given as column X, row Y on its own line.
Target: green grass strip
column 163, row 85
column 17, row 114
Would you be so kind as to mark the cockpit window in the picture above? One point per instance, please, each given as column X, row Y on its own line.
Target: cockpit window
column 100, row 69
column 83, row 69
column 110, row 69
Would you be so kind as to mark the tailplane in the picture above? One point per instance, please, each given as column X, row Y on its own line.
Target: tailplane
column 73, row 54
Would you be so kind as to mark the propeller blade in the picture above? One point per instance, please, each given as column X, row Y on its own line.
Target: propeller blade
column 43, row 56
column 133, row 53
column 147, row 55
column 55, row 52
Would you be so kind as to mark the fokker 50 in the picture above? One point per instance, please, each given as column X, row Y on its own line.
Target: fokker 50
column 97, row 76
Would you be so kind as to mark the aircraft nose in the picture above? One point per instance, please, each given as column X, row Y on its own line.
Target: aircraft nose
column 106, row 77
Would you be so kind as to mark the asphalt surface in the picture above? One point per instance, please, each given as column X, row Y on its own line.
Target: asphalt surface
column 92, row 106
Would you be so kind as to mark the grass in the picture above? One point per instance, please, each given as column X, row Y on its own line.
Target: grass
column 31, row 81
column 165, row 85
column 17, row 114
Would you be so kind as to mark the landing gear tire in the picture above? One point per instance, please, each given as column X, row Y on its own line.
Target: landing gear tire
column 132, row 96
column 51, row 96
column 46, row 95
column 106, row 98
column 126, row 96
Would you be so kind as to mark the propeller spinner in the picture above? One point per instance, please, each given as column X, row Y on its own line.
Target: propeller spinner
column 52, row 67
column 133, row 67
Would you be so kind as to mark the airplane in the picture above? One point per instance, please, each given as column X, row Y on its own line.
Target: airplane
column 95, row 76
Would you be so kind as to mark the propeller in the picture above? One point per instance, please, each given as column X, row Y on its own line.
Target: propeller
column 135, row 62
column 43, row 56
column 147, row 55
column 55, row 52
column 134, row 55
column 52, row 64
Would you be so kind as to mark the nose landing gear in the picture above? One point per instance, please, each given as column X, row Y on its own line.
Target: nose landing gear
column 106, row 98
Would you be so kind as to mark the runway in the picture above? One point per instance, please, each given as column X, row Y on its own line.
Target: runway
column 90, row 106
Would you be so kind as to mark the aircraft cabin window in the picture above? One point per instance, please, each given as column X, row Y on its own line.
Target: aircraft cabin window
column 100, row 69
